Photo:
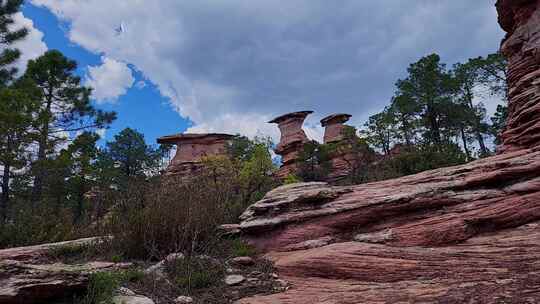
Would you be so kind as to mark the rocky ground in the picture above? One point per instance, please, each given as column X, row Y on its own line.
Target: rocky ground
column 62, row 273
column 463, row 234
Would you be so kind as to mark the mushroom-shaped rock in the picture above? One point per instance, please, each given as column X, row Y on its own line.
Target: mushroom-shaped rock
column 292, row 140
column 334, row 126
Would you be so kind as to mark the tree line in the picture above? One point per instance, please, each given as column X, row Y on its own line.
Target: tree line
column 50, row 160
column 434, row 107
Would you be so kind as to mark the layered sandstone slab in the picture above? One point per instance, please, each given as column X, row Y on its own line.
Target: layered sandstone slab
column 28, row 275
column 292, row 141
column 453, row 235
column 192, row 148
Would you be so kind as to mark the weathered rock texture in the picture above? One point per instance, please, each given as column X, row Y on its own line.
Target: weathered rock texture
column 28, row 276
column 292, row 140
column 454, row 235
column 466, row 234
column 191, row 149
column 521, row 19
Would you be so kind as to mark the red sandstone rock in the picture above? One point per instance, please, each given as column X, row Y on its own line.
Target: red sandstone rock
column 334, row 127
column 342, row 160
column 466, row 234
column 292, row 140
column 521, row 47
column 192, row 148
column 411, row 239
column 27, row 275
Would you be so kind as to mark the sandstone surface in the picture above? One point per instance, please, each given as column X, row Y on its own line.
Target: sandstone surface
column 28, row 276
column 521, row 46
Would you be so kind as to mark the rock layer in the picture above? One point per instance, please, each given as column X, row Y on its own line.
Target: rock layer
column 453, row 235
column 27, row 276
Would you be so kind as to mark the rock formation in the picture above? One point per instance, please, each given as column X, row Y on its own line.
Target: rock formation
column 521, row 47
column 292, row 140
column 334, row 127
column 466, row 234
column 342, row 159
column 27, row 275
column 191, row 149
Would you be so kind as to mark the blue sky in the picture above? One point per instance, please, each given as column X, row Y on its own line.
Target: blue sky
column 143, row 109
column 231, row 66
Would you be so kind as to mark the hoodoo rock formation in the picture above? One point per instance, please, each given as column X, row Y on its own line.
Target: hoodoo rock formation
column 521, row 19
column 466, row 234
column 292, row 140
column 334, row 127
column 191, row 149
column 341, row 160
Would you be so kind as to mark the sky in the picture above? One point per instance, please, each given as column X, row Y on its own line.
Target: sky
column 170, row 66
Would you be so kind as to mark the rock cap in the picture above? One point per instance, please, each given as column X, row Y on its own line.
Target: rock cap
column 189, row 137
column 300, row 114
column 335, row 118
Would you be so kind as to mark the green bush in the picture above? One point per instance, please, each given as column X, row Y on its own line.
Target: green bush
column 240, row 249
column 194, row 272
column 103, row 285
column 101, row 288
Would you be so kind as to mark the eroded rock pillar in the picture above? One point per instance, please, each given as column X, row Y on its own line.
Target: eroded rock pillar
column 343, row 160
column 292, row 140
column 334, row 127
column 520, row 19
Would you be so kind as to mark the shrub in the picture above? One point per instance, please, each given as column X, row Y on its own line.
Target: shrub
column 103, row 285
column 240, row 249
column 291, row 179
column 195, row 272
column 101, row 288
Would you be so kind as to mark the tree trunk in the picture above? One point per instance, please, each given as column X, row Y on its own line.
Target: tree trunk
column 465, row 146
column 5, row 193
column 435, row 134
column 483, row 149
column 37, row 191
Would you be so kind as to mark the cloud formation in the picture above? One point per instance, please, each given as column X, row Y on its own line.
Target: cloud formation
column 32, row 46
column 110, row 80
column 231, row 65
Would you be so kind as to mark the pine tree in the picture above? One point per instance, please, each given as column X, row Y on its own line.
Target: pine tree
column 131, row 155
column 8, row 36
column 17, row 106
column 466, row 77
column 428, row 84
column 64, row 108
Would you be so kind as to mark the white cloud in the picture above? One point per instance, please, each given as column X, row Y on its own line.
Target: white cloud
column 231, row 65
column 101, row 133
column 32, row 46
column 109, row 80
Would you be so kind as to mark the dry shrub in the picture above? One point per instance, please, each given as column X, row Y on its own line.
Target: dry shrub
column 155, row 218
